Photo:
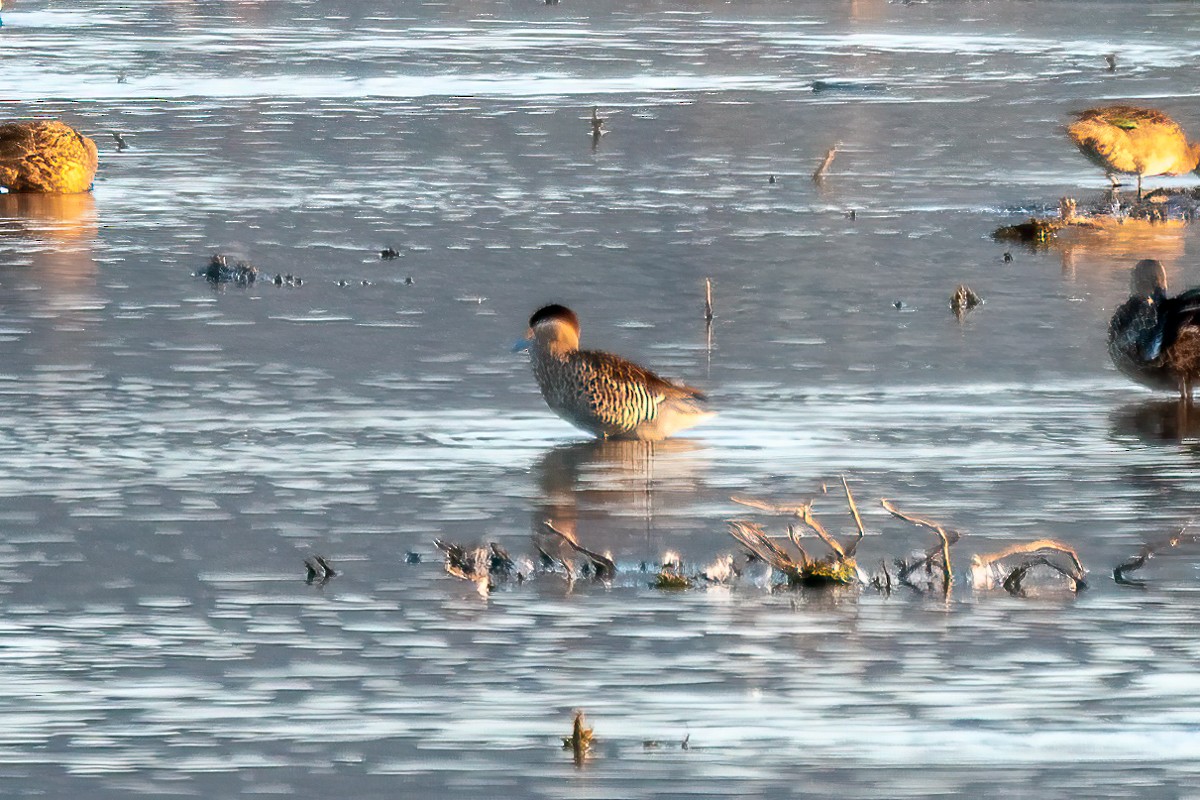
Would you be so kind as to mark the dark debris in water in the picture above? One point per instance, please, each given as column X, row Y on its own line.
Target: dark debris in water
column 389, row 253
column 242, row 273
column 319, row 570
column 219, row 270
column 848, row 86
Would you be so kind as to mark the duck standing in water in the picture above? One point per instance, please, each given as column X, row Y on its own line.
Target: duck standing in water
column 1155, row 339
column 602, row 393
column 46, row 156
column 1137, row 141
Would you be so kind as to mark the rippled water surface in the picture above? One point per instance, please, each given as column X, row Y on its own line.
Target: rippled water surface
column 170, row 453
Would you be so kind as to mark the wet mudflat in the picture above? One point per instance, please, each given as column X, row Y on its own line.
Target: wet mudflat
column 170, row 452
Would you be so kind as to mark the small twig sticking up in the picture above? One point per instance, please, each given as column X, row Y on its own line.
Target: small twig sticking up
column 947, row 575
column 580, row 740
column 819, row 175
column 708, row 307
column 597, row 127
column 857, row 519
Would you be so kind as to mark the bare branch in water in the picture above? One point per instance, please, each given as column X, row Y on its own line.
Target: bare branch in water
column 754, row 539
column 603, row 566
column 1077, row 574
column 803, row 513
column 947, row 537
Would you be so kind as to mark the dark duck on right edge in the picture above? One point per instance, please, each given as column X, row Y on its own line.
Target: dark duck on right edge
column 1155, row 339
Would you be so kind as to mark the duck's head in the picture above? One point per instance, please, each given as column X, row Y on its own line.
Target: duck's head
column 1148, row 280
column 552, row 327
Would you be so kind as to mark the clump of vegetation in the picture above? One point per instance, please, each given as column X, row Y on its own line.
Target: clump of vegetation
column 670, row 575
column 838, row 568
column 963, row 300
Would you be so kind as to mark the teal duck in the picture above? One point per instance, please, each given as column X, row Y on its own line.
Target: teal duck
column 602, row 393
column 1155, row 339
column 1135, row 141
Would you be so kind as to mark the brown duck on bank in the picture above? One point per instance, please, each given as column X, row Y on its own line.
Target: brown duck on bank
column 1136, row 141
column 1155, row 339
column 46, row 156
column 602, row 393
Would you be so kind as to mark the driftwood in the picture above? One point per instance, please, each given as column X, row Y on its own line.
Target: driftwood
column 602, row 566
column 1148, row 552
column 947, row 537
column 987, row 570
column 803, row 513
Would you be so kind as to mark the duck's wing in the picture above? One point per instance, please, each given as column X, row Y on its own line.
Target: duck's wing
column 1179, row 313
column 621, row 371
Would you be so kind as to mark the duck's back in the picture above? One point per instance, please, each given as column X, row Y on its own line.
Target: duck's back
column 1130, row 139
column 46, row 156
column 613, row 397
column 1157, row 344
column 1134, row 343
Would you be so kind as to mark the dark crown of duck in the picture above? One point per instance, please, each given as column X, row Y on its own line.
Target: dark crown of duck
column 555, row 312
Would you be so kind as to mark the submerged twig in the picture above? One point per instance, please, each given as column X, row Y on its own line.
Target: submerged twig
column 1148, row 552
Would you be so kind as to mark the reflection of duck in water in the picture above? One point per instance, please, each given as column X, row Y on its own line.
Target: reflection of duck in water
column 46, row 156
column 46, row 240
column 1155, row 339
column 53, row 217
column 602, row 393
column 1136, row 141
column 1162, row 421
column 603, row 494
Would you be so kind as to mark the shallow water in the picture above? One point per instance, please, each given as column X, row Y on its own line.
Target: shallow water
column 170, row 452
